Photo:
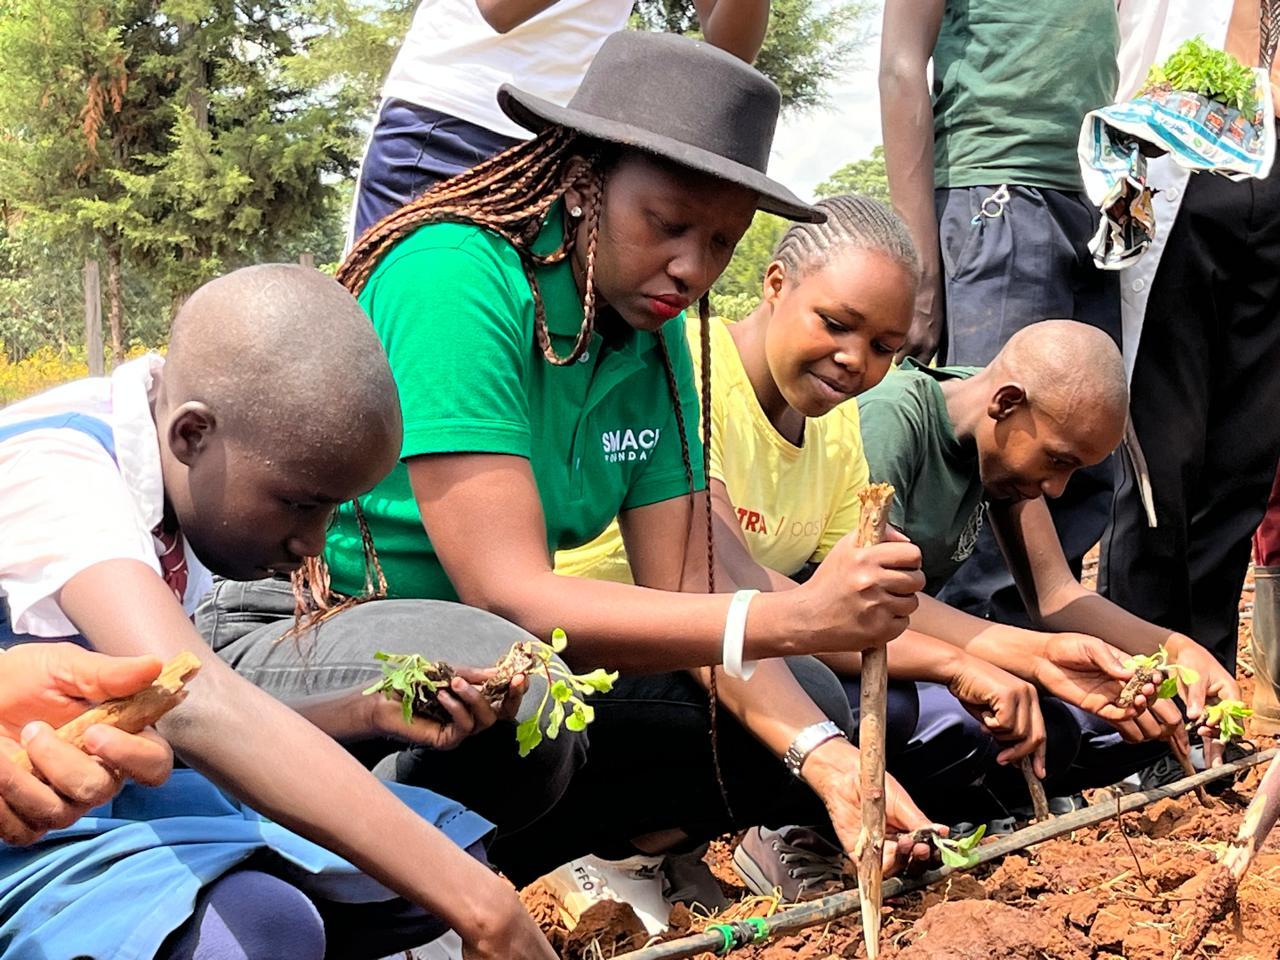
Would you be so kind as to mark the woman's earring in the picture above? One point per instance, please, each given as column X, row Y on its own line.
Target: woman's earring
column 575, row 212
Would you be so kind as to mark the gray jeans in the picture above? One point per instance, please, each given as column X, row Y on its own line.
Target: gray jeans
column 244, row 622
column 649, row 769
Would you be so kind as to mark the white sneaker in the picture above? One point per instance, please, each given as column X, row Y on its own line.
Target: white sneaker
column 588, row 880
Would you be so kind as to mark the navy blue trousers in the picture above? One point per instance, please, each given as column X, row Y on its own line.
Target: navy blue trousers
column 1004, row 273
column 944, row 758
column 412, row 149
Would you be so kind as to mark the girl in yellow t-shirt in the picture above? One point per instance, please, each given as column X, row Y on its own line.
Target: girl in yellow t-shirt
column 786, row 457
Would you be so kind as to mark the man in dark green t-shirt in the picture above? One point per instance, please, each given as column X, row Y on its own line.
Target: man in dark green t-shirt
column 963, row 444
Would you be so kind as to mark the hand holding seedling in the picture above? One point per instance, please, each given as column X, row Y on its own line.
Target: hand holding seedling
column 832, row 771
column 461, row 701
column 1090, row 674
column 959, row 854
column 425, row 688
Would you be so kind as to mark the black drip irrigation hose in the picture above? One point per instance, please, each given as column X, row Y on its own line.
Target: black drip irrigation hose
column 723, row 938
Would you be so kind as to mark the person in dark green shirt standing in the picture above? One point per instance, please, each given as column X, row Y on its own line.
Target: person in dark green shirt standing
column 532, row 310
column 984, row 171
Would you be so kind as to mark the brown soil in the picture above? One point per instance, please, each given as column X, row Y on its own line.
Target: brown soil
column 1087, row 896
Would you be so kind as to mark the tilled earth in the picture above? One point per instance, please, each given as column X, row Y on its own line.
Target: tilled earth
column 1111, row 892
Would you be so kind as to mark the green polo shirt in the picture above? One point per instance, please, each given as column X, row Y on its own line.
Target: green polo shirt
column 910, row 442
column 454, row 311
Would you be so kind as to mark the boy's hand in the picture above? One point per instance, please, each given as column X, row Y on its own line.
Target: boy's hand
column 43, row 685
column 1006, row 706
column 1088, row 673
column 832, row 771
column 469, row 712
column 860, row 597
column 1213, row 683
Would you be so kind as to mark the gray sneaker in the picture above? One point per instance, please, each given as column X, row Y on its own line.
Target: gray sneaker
column 796, row 863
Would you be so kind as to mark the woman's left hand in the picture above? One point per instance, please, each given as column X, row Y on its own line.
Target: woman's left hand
column 832, row 770
column 469, row 712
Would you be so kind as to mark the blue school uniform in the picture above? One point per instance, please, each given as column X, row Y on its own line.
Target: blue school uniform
column 117, row 883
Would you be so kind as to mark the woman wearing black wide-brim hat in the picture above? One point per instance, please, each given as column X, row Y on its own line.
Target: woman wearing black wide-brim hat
column 531, row 312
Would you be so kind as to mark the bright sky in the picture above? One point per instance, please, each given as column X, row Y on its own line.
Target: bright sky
column 808, row 148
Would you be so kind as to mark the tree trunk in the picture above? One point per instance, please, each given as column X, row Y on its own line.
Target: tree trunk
column 93, row 318
column 115, row 303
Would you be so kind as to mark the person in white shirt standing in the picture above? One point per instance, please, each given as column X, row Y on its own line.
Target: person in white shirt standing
column 439, row 114
column 1201, row 314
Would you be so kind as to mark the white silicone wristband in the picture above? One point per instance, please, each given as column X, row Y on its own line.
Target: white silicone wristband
column 735, row 628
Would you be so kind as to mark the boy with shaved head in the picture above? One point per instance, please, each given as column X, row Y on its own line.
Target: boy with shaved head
column 965, row 446
column 119, row 497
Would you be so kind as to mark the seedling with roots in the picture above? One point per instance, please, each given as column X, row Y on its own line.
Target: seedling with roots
column 1145, row 669
column 960, row 854
column 416, row 681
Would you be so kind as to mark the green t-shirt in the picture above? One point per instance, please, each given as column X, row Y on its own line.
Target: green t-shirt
column 453, row 309
column 910, row 442
column 1012, row 82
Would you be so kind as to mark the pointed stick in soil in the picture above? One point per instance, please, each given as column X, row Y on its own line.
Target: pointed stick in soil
column 130, row 714
column 1182, row 750
column 1219, row 895
column 869, row 851
column 1039, row 802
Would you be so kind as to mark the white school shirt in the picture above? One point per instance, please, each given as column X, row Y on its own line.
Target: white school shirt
column 1150, row 30
column 65, row 505
column 453, row 62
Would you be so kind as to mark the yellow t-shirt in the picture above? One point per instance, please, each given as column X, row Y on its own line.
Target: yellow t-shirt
column 793, row 503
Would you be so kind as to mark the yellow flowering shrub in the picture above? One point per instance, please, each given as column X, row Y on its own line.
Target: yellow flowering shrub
column 46, row 367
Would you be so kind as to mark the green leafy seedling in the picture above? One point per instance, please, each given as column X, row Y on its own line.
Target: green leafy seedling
column 564, row 694
column 1226, row 716
column 960, row 854
column 1144, row 668
column 1199, row 68
column 414, row 681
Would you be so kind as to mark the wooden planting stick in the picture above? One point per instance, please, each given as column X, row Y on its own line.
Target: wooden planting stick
column 1182, row 751
column 130, row 714
column 843, row 904
column 1219, row 894
column 876, row 499
column 1039, row 802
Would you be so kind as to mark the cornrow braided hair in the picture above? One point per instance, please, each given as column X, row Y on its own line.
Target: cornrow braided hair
column 853, row 221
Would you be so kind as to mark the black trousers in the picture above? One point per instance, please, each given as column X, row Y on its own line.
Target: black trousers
column 1205, row 402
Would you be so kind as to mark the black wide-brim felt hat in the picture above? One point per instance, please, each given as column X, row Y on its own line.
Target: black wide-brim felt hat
column 680, row 99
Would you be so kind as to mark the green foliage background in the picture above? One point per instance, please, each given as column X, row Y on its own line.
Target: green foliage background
column 172, row 140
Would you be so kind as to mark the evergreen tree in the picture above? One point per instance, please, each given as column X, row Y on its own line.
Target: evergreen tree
column 808, row 45
column 177, row 137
